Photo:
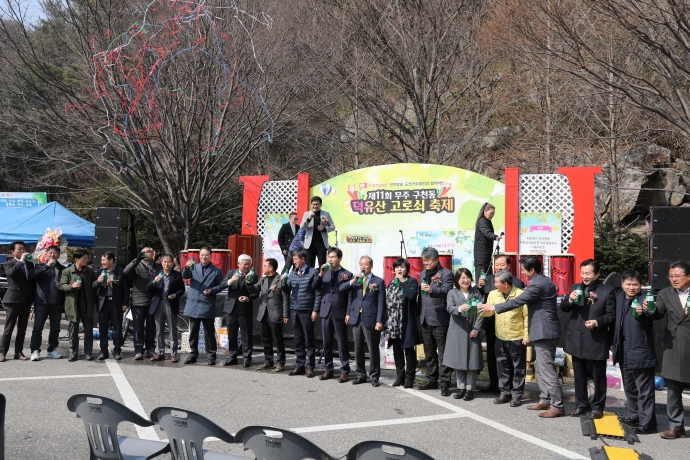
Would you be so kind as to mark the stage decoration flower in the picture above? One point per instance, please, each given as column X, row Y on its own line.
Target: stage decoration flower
column 51, row 239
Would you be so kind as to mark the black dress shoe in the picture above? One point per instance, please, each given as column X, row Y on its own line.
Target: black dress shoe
column 490, row 389
column 375, row 383
column 89, row 358
column 502, row 399
column 515, row 403
column 247, row 363
column 469, row 396
column 230, row 362
column 211, row 361
column 578, row 412
column 445, row 390
column 190, row 359
column 359, row 381
column 429, row 385
column 460, row 394
column 644, row 429
column 628, row 421
column 72, row 358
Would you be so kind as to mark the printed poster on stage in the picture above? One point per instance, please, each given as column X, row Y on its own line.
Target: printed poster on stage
column 540, row 232
column 433, row 205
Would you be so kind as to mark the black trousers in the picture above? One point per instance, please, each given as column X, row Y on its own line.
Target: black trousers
column 638, row 385
column 369, row 337
column 401, row 356
column 209, row 336
column 288, row 262
column 110, row 315
column 303, row 330
column 17, row 314
column 240, row 321
column 511, row 361
column 144, row 326
column 41, row 314
column 330, row 328
column 271, row 331
column 434, row 338
column 598, row 368
column 73, row 331
column 317, row 250
column 489, row 326
column 674, row 404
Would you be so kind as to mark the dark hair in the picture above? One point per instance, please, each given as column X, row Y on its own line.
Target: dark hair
column 53, row 248
column 530, row 263
column 79, row 253
column 316, row 198
column 631, row 275
column 459, row 273
column 506, row 257
column 273, row 262
column 293, row 213
column 167, row 256
column 485, row 206
column 593, row 263
column 430, row 253
column 109, row 255
column 683, row 265
column 400, row 262
column 338, row 252
column 207, row 248
column 300, row 253
column 14, row 244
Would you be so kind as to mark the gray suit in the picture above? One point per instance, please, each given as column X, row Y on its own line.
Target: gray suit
column 317, row 246
column 544, row 331
column 273, row 307
column 311, row 225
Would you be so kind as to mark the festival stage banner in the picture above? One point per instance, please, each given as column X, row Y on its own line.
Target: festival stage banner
column 272, row 223
column 433, row 206
column 540, row 233
column 22, row 199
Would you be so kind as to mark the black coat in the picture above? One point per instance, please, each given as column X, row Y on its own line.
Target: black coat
column 484, row 237
column 285, row 236
column 580, row 341
column 120, row 288
column 639, row 342
column 675, row 365
column 175, row 286
column 43, row 275
column 20, row 288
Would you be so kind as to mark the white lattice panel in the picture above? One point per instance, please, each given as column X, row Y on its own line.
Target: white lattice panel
column 549, row 193
column 278, row 196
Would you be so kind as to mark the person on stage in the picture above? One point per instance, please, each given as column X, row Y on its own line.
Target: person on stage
column 77, row 283
column 112, row 289
column 544, row 332
column 484, row 238
column 634, row 352
column 463, row 345
column 305, row 304
column 287, row 233
column 166, row 288
column 239, row 309
column 366, row 314
column 334, row 304
column 201, row 304
column 672, row 302
column 512, row 338
column 501, row 262
column 316, row 223
column 402, row 322
column 434, row 318
column 274, row 311
column 592, row 308
column 140, row 271
column 48, row 303
column 17, row 300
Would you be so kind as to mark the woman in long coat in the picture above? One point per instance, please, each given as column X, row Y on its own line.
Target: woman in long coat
column 463, row 345
column 402, row 323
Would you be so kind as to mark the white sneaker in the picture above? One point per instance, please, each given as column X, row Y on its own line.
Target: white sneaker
column 35, row 356
column 54, row 354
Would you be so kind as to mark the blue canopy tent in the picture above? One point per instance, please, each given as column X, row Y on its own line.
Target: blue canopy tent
column 29, row 224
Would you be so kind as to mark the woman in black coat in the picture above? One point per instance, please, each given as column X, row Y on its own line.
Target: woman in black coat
column 484, row 238
column 402, row 322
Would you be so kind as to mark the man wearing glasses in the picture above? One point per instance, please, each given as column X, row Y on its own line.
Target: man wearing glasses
column 673, row 302
column 287, row 234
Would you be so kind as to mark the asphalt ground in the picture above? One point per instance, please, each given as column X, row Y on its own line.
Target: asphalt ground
column 334, row 416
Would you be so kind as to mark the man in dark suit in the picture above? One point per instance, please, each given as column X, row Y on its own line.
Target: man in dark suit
column 286, row 233
column 334, row 305
column 436, row 282
column 140, row 271
column 112, row 289
column 634, row 351
column 238, row 306
column 17, row 300
column 316, row 223
column 544, row 332
column 673, row 302
column 501, row 262
column 366, row 313
column 593, row 309
column 48, row 303
column 273, row 312
column 166, row 288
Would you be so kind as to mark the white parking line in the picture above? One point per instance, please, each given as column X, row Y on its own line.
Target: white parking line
column 130, row 399
column 47, row 377
column 350, row 426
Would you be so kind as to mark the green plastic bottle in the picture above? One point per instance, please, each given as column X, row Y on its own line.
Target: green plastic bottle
column 424, row 283
column 193, row 261
column 250, row 276
column 142, row 255
column 649, row 297
column 161, row 275
column 633, row 308
column 396, row 282
column 361, row 278
column 29, row 257
column 482, row 275
column 687, row 305
column 104, row 274
column 326, row 267
column 79, row 280
column 285, row 278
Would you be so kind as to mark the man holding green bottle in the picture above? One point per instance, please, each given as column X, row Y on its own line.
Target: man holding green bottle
column 77, row 284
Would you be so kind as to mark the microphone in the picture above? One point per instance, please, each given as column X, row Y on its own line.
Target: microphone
column 502, row 233
column 309, row 219
column 250, row 227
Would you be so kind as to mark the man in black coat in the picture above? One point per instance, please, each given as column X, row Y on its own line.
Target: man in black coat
column 112, row 289
column 501, row 262
column 593, row 307
column 48, row 303
column 633, row 350
column 140, row 271
column 287, row 233
column 17, row 300
column 334, row 306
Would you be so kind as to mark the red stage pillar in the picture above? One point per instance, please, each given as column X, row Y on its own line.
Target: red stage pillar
column 512, row 210
column 303, row 194
column 581, row 181
column 250, row 203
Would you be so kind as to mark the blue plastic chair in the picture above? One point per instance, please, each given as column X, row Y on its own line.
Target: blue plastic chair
column 101, row 417
column 384, row 450
column 187, row 431
column 269, row 443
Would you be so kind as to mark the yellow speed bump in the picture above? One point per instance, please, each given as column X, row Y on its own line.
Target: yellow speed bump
column 616, row 453
column 607, row 426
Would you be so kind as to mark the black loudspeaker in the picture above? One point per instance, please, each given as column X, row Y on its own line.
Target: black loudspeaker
column 115, row 232
column 669, row 247
column 112, row 237
column 669, row 241
column 670, row 220
column 114, row 217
